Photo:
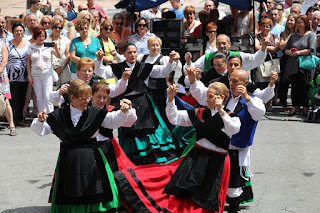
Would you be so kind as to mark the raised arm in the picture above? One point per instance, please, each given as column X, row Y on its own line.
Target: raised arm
column 101, row 70
column 121, row 85
column 125, row 117
column 161, row 71
column 197, row 88
column 39, row 125
column 176, row 117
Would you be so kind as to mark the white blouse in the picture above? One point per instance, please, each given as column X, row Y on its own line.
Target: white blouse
column 112, row 120
column 181, row 118
column 41, row 56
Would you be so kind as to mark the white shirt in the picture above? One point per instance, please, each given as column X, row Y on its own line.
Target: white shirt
column 151, row 60
column 112, row 120
column 149, row 14
column 249, row 61
column 158, row 71
column 181, row 118
column 115, row 89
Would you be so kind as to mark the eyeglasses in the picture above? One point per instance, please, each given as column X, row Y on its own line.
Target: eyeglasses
column 211, row 31
column 85, row 98
column 142, row 25
column 110, row 29
column 86, row 71
column 60, row 28
column 264, row 16
column 48, row 23
column 83, row 9
column 18, row 31
column 118, row 23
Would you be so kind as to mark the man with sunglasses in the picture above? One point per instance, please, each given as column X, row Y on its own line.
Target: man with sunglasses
column 70, row 14
column 120, row 33
column 282, row 19
column 97, row 7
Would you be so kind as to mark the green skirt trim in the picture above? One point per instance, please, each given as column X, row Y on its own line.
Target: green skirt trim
column 115, row 204
column 160, row 143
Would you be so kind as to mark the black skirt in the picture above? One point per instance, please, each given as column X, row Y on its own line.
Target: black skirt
column 147, row 121
column 198, row 178
column 82, row 176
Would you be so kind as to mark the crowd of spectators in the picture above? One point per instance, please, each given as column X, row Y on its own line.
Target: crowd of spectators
column 41, row 48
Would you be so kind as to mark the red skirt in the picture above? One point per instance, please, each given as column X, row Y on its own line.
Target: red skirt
column 141, row 188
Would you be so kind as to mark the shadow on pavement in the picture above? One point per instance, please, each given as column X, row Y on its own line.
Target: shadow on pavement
column 30, row 209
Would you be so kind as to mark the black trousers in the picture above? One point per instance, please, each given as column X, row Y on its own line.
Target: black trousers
column 300, row 87
column 18, row 93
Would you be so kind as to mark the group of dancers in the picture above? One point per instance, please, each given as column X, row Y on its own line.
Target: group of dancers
column 146, row 170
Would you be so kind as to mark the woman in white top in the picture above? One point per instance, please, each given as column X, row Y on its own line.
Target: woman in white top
column 60, row 65
column 39, row 68
column 211, row 31
column 243, row 25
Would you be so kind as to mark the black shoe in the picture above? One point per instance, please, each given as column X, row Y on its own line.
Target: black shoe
column 292, row 113
column 234, row 204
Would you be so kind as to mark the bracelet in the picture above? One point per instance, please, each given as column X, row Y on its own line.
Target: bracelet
column 223, row 113
column 298, row 52
column 29, row 76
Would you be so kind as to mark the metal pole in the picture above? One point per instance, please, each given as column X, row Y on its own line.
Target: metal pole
column 254, row 25
column 133, row 14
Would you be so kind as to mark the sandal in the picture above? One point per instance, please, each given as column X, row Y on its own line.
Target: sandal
column 12, row 131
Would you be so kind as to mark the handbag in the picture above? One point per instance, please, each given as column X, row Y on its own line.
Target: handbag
column 2, row 102
column 308, row 62
column 267, row 67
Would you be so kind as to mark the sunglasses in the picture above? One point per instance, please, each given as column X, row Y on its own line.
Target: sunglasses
column 63, row 4
column 317, row 5
column 84, row 28
column 142, row 25
column 110, row 29
column 83, row 9
column 46, row 22
column 60, row 28
column 211, row 31
column 119, row 23
column 264, row 16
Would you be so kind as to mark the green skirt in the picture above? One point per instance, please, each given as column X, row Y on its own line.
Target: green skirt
column 156, row 148
column 114, row 206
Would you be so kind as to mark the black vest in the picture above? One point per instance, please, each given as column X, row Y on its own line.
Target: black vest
column 209, row 127
column 139, row 74
column 62, row 126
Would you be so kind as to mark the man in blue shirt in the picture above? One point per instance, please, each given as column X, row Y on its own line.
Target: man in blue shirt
column 177, row 8
column 5, row 36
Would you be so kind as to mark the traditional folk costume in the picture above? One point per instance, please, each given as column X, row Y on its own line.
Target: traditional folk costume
column 84, row 180
column 148, row 141
column 63, row 100
column 201, row 176
column 239, row 149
